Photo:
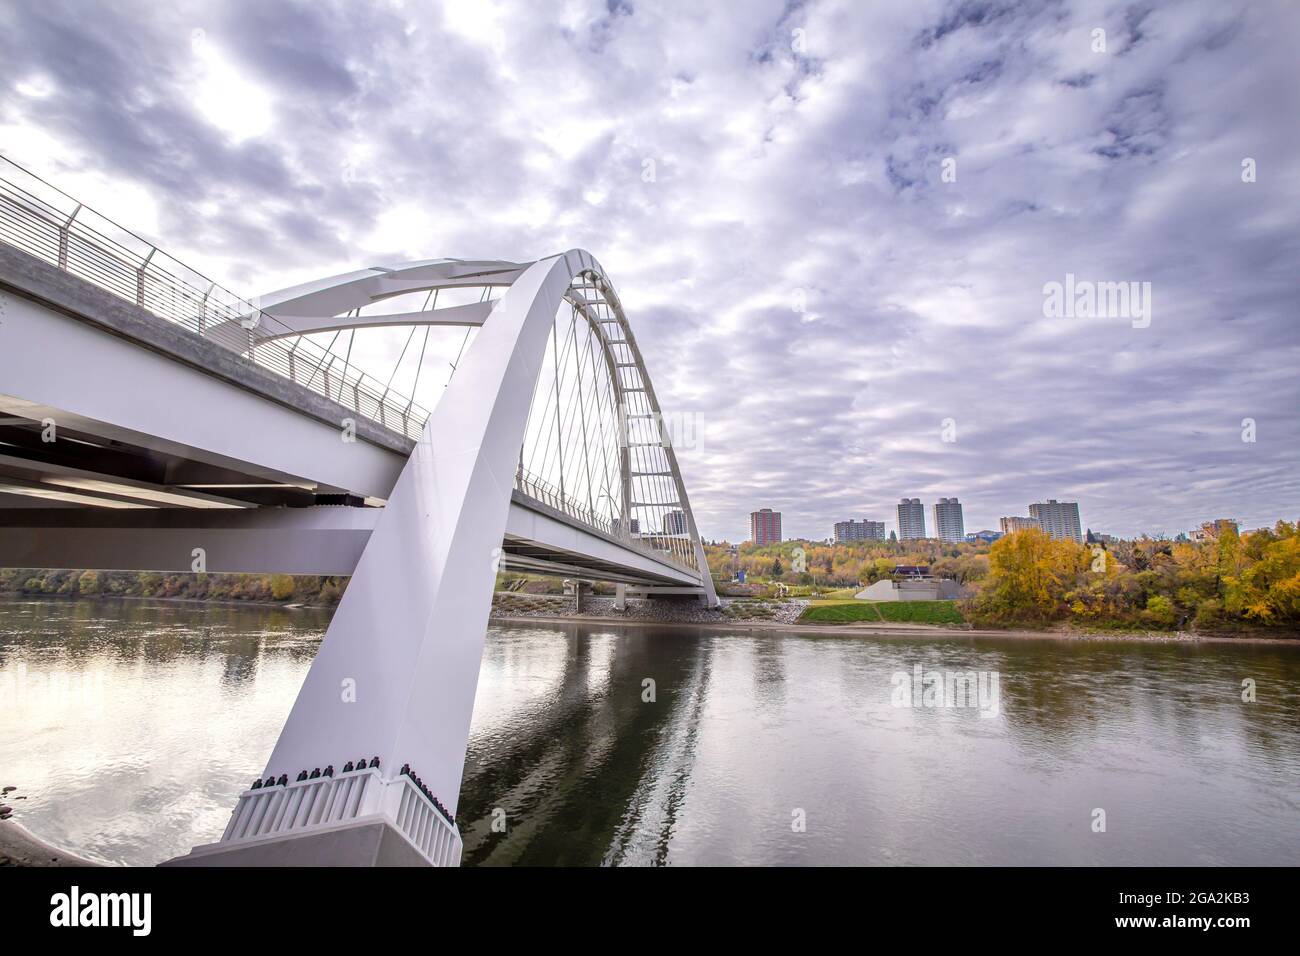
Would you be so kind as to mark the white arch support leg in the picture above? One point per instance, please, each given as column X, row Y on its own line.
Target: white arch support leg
column 393, row 683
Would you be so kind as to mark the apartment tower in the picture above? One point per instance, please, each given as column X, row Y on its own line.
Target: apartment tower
column 911, row 519
column 765, row 526
column 1060, row 519
column 948, row 525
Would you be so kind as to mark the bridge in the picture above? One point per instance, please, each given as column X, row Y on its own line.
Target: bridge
column 152, row 420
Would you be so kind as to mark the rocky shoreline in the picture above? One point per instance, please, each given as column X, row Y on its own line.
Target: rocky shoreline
column 507, row 604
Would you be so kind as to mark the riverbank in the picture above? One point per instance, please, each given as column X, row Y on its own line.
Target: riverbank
column 213, row 602
column 20, row 847
column 916, row 631
column 604, row 608
column 736, row 614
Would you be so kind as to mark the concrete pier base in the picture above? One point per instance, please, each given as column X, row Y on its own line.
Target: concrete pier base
column 371, row 842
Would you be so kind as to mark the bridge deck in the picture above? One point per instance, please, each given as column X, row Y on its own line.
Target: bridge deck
column 144, row 465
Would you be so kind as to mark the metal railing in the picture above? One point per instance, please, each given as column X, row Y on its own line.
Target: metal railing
column 277, row 811
column 547, row 494
column 273, row 811
column 425, row 825
column 46, row 222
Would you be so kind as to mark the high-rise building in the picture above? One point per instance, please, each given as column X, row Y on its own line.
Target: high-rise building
column 765, row 526
column 1060, row 519
column 675, row 522
column 859, row 531
column 948, row 525
column 911, row 519
column 1010, row 525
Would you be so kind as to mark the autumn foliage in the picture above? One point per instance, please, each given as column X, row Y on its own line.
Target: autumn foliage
column 256, row 588
column 1028, row 579
column 1251, row 579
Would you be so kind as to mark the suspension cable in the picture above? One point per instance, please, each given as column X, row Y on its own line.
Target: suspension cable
column 418, row 367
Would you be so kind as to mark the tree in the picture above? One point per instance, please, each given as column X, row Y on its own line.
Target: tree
column 1028, row 576
column 1160, row 611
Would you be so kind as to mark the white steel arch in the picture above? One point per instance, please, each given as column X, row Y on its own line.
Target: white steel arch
column 649, row 485
column 368, row 766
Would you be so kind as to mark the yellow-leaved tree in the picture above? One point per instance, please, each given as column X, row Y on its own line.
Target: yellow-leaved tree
column 1028, row 577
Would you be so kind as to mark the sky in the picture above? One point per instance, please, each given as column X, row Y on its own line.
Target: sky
column 835, row 225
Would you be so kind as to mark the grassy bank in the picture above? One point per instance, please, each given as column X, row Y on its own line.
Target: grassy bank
column 886, row 612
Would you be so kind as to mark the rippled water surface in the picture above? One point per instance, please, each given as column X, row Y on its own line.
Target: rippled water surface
column 130, row 727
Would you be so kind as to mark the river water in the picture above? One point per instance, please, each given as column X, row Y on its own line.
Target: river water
column 131, row 726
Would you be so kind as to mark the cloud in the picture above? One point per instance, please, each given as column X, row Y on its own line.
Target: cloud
column 790, row 169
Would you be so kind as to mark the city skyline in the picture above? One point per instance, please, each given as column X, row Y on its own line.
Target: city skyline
column 835, row 310
column 1002, row 525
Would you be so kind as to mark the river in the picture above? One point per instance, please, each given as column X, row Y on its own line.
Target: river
column 129, row 727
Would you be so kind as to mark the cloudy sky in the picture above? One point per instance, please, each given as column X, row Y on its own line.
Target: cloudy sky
column 831, row 222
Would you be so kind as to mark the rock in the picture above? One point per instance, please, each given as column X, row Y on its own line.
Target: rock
column 651, row 612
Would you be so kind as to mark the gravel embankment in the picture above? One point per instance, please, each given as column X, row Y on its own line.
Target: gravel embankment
column 732, row 611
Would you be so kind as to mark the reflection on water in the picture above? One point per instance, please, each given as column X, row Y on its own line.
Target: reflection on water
column 132, row 726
